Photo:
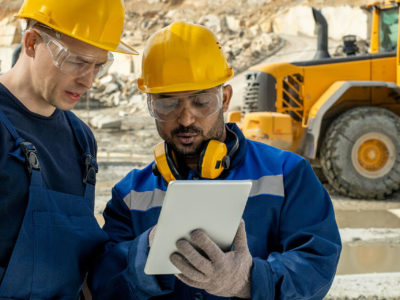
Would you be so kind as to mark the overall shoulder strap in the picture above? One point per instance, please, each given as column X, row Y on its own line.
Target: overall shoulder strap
column 27, row 149
column 78, row 132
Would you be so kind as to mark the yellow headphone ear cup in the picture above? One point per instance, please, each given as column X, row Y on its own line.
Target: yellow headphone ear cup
column 212, row 159
column 161, row 161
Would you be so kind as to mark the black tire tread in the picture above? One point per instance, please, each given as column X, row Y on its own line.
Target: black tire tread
column 330, row 151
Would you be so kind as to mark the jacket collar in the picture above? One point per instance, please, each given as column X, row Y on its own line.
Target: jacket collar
column 239, row 154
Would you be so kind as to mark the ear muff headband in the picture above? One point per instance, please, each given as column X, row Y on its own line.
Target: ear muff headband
column 227, row 159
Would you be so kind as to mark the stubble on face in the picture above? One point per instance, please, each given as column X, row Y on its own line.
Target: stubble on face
column 216, row 132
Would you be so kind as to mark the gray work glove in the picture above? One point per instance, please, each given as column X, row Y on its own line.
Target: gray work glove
column 221, row 274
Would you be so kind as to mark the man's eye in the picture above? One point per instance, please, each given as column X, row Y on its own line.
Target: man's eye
column 75, row 62
column 200, row 104
column 163, row 104
column 202, row 100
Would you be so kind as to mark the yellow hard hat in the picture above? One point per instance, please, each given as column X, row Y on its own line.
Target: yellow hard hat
column 98, row 23
column 183, row 57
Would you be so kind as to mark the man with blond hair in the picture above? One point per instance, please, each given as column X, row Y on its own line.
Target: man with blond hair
column 49, row 235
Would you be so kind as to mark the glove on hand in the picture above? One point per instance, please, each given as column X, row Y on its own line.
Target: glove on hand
column 221, row 274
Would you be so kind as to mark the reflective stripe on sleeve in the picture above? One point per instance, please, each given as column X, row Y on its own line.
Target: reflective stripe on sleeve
column 266, row 185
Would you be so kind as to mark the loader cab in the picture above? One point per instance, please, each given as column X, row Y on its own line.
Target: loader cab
column 385, row 24
column 388, row 30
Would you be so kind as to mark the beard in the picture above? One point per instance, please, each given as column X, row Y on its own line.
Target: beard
column 216, row 133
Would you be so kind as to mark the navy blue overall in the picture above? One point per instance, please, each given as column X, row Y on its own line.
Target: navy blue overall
column 59, row 236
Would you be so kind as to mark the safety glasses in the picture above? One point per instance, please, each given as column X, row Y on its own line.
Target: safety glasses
column 74, row 64
column 165, row 107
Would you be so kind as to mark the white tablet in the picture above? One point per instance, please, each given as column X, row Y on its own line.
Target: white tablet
column 215, row 206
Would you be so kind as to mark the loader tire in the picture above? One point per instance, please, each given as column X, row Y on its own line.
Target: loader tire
column 360, row 154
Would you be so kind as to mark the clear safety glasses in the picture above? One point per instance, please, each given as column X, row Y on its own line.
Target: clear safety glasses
column 74, row 64
column 165, row 107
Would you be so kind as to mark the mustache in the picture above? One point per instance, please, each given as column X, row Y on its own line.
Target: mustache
column 187, row 129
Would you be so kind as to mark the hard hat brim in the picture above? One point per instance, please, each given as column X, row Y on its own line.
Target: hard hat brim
column 121, row 48
column 125, row 48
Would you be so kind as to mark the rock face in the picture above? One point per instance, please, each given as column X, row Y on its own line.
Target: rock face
column 341, row 20
column 248, row 29
column 8, row 7
column 235, row 23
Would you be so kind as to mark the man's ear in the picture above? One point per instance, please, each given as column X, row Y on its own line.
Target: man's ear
column 30, row 42
column 227, row 97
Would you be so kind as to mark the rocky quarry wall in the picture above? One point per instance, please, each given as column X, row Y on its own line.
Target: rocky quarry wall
column 249, row 31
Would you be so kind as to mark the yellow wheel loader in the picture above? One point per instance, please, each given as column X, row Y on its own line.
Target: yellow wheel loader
column 340, row 113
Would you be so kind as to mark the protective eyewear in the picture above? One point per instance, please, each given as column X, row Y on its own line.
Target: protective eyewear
column 163, row 107
column 74, row 64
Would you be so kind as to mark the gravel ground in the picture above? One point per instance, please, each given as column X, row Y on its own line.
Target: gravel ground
column 382, row 286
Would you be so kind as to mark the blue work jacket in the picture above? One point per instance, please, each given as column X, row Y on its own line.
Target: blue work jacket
column 290, row 224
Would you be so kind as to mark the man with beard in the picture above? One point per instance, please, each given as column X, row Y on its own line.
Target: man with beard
column 288, row 245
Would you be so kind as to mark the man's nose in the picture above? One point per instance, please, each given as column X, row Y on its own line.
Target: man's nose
column 186, row 116
column 87, row 78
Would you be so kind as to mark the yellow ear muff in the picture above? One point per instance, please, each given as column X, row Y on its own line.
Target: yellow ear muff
column 161, row 158
column 212, row 158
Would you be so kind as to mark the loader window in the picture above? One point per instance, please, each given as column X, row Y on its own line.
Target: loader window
column 388, row 30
